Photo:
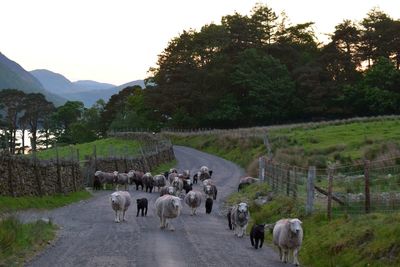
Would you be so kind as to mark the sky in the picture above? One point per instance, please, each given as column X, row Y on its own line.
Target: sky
column 118, row 41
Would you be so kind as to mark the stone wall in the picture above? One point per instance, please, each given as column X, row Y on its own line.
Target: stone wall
column 28, row 177
column 22, row 176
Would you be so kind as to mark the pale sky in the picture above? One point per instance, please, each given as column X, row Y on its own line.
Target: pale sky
column 118, row 41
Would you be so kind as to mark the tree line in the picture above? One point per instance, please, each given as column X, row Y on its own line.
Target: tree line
column 47, row 125
column 259, row 69
column 249, row 70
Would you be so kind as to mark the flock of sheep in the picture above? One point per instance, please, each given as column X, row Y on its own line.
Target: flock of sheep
column 287, row 233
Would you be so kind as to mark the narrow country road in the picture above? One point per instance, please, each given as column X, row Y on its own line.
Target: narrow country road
column 89, row 236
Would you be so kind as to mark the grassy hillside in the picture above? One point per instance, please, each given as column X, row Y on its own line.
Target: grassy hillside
column 104, row 148
column 303, row 145
column 346, row 240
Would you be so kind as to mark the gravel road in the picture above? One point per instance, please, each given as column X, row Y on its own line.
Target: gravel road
column 89, row 236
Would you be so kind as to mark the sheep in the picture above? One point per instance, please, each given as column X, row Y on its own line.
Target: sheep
column 193, row 200
column 209, row 204
column 245, row 181
column 120, row 201
column 187, row 185
column 238, row 218
column 141, row 205
column 137, row 178
column 168, row 190
column 208, row 182
column 171, row 177
column 148, row 181
column 159, row 181
column 196, row 177
column 167, row 207
column 178, row 185
column 211, row 191
column 96, row 183
column 105, row 178
column 121, row 179
column 288, row 236
column 186, row 174
column 257, row 234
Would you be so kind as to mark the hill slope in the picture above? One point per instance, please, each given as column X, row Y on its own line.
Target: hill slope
column 13, row 76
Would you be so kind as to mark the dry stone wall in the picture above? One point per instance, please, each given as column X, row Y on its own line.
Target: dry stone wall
column 30, row 177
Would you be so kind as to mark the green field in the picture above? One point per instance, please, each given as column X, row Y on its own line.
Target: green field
column 108, row 147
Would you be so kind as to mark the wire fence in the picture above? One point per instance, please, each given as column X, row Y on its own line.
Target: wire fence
column 367, row 186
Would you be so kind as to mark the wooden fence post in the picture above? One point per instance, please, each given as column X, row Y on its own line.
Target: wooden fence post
column 294, row 183
column 37, row 176
column 367, row 193
column 310, row 190
column 330, row 187
column 59, row 182
column 261, row 168
column 95, row 158
column 10, row 176
column 287, row 174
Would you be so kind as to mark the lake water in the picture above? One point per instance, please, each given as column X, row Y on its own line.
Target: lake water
column 19, row 138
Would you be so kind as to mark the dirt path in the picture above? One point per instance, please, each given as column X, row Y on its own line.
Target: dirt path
column 89, row 237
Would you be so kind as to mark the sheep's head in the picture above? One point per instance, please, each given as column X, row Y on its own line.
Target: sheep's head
column 208, row 189
column 295, row 225
column 243, row 207
column 115, row 198
column 97, row 173
column 171, row 190
column 192, row 195
column 176, row 202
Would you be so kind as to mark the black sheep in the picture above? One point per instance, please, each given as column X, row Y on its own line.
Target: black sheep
column 195, row 177
column 96, row 183
column 142, row 205
column 209, row 204
column 256, row 235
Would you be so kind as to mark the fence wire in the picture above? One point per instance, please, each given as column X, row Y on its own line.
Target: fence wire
column 360, row 188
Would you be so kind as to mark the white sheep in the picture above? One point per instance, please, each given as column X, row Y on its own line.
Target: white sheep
column 288, row 236
column 168, row 207
column 120, row 201
column 193, row 200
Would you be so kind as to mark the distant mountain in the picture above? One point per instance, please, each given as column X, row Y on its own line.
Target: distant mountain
column 53, row 82
column 13, row 76
column 86, row 91
column 88, row 85
column 90, row 97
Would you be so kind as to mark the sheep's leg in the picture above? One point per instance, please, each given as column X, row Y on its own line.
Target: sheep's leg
column 285, row 255
column 194, row 211
column 162, row 225
column 123, row 216
column 261, row 241
column 280, row 254
column 170, row 226
column 256, row 247
column 252, row 240
column 145, row 212
column 295, row 254
column 137, row 214
column 116, row 217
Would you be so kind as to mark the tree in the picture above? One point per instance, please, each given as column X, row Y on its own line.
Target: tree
column 37, row 108
column 65, row 116
column 265, row 88
column 12, row 101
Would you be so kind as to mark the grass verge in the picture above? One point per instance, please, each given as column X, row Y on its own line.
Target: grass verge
column 357, row 240
column 20, row 241
column 10, row 204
